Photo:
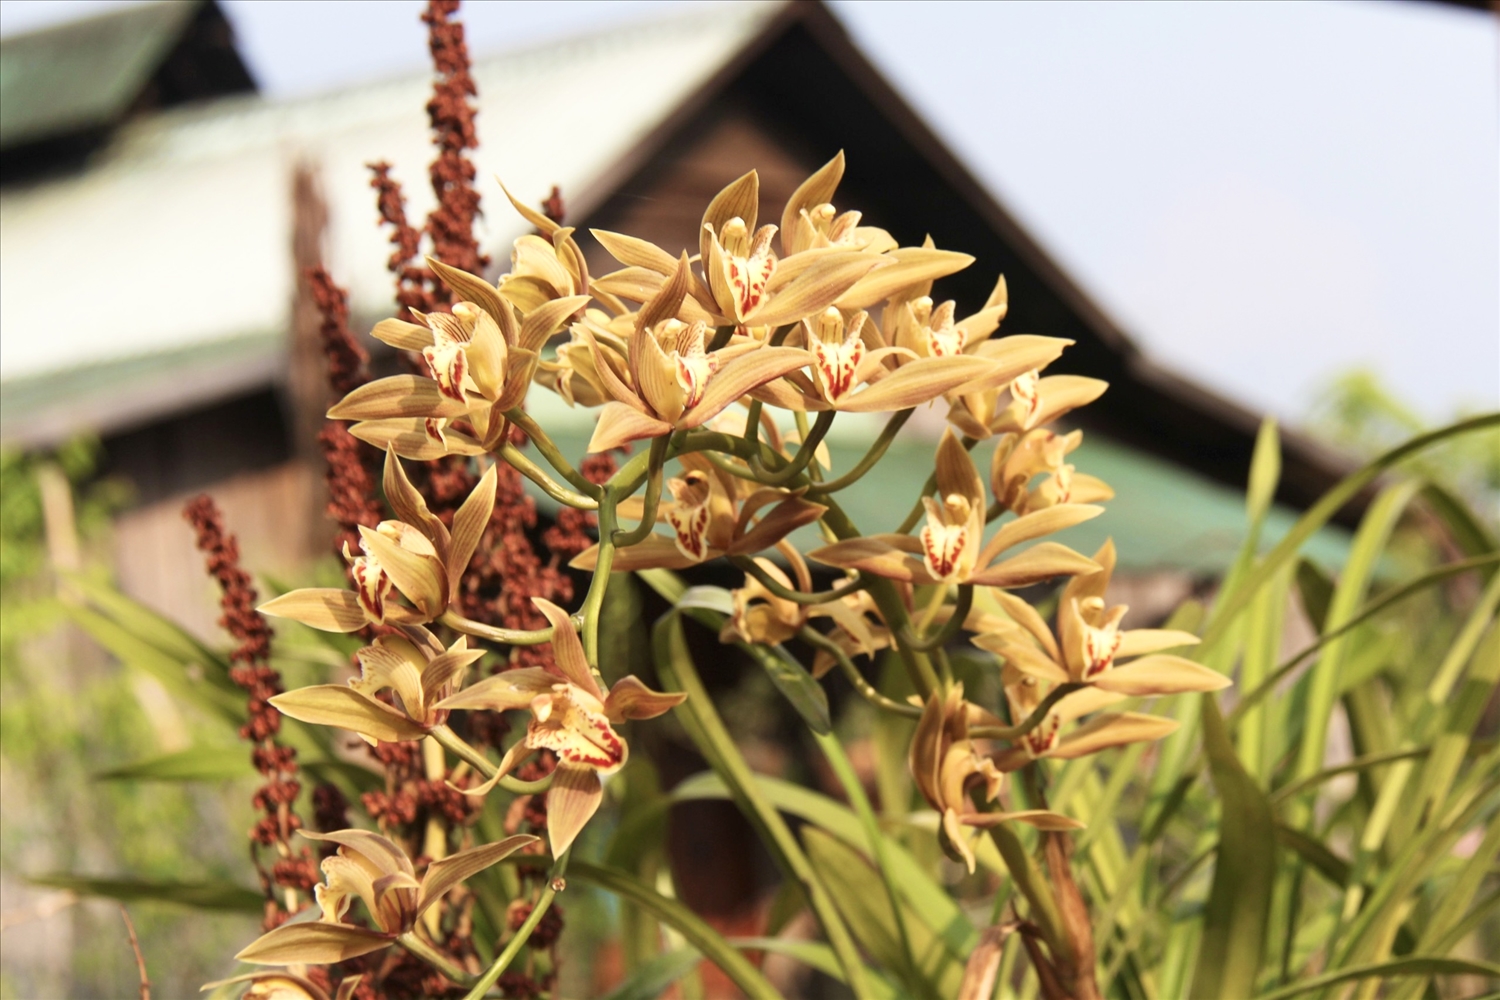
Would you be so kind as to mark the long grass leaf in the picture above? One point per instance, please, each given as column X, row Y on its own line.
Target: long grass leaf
column 1421, row 965
column 1234, row 921
column 197, row 895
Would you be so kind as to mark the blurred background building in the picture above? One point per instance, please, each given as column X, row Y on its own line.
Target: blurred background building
column 157, row 211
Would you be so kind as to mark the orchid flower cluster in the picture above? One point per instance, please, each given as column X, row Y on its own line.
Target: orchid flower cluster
column 693, row 356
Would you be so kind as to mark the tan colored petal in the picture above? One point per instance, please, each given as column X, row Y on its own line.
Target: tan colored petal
column 1140, row 641
column 567, row 649
column 631, row 699
column 620, row 424
column 1024, row 657
column 667, row 302
column 781, row 521
column 914, row 383
column 325, row 608
column 873, row 555
column 571, row 802
column 396, row 396
column 542, row 322
column 956, row 474
column 816, row 190
column 469, row 524
column 399, row 333
column 470, row 288
column 1160, row 674
column 815, row 289
column 411, row 437
column 653, row 552
column 444, row 671
column 1038, row 524
column 506, row 691
column 448, row 872
column 740, row 199
column 633, row 252
column 740, row 376
column 313, row 943
column 910, row 266
column 418, row 576
column 1105, row 731
column 1024, row 615
column 345, row 708
column 1037, row 564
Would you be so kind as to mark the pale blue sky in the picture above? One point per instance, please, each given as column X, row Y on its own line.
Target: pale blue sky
column 1264, row 195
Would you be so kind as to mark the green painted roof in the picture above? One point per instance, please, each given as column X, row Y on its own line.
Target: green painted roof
column 83, row 73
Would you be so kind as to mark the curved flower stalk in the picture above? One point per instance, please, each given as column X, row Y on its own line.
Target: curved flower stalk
column 571, row 716
column 672, row 381
column 414, row 666
column 482, row 357
column 1090, row 645
column 711, row 514
column 416, row 556
column 372, row 869
column 946, row 766
column 950, row 548
column 1020, row 458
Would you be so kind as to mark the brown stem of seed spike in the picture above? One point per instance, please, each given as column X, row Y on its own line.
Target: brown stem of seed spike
column 135, row 946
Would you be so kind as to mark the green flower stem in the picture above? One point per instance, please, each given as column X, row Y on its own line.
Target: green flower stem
column 655, row 460
column 507, row 636
column 892, row 608
column 752, row 424
column 951, row 627
column 549, row 450
column 776, row 587
column 805, row 452
column 1026, row 725
column 833, row 749
column 448, row 738
column 593, row 602
column 550, row 486
column 1033, row 885
column 702, row 721
column 875, row 454
column 434, row 958
column 538, row 911
column 864, row 687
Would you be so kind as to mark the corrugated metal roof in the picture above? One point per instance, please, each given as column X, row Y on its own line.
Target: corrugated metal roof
column 180, row 233
column 83, row 73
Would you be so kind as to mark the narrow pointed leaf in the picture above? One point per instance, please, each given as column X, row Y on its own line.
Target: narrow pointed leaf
column 1235, row 921
column 215, row 895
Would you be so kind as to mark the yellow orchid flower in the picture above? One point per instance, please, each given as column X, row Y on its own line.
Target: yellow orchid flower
column 945, row 764
column 416, row 556
column 671, row 381
column 482, row 357
column 950, row 548
column 372, row 869
column 1020, row 458
column 413, row 665
column 1055, row 736
column 1091, row 648
column 571, row 716
column 1032, row 399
